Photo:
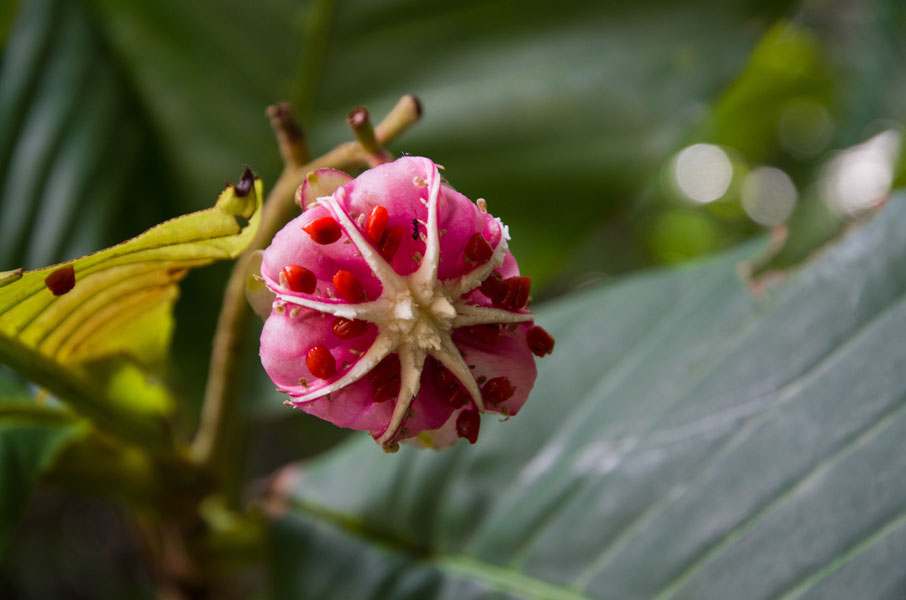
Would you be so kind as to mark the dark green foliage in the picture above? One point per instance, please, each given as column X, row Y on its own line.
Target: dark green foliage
column 689, row 437
column 686, row 440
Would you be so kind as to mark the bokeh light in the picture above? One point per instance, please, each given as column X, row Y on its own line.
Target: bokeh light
column 860, row 177
column 768, row 196
column 702, row 172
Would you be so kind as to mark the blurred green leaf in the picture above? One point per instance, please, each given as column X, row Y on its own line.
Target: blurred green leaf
column 558, row 115
column 686, row 440
column 30, row 440
column 85, row 336
column 529, row 105
column 786, row 72
column 828, row 79
column 526, row 102
column 78, row 166
column 28, row 447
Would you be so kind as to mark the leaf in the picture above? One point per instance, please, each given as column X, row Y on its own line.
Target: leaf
column 73, row 145
column 84, row 343
column 686, row 440
column 525, row 101
column 27, row 448
column 529, row 105
column 629, row 83
column 30, row 440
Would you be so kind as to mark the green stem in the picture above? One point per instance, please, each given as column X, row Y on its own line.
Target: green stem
column 150, row 430
column 360, row 122
column 219, row 425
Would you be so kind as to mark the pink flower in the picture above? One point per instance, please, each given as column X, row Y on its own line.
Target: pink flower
column 399, row 309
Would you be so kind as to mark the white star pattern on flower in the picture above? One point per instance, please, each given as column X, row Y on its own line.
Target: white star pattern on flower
column 415, row 314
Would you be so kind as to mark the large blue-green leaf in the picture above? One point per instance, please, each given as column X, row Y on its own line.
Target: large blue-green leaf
column 686, row 440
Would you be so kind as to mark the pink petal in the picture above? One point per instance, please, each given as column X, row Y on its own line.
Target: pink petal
column 403, row 189
column 394, row 187
column 293, row 246
column 286, row 340
column 510, row 358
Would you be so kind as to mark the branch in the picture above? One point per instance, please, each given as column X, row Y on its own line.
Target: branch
column 148, row 429
column 219, row 424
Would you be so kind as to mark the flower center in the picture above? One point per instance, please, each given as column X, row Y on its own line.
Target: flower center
column 420, row 317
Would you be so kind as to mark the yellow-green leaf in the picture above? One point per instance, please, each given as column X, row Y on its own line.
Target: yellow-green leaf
column 85, row 341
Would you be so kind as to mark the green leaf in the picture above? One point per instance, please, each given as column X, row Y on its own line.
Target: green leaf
column 73, row 144
column 528, row 104
column 85, row 343
column 524, row 101
column 31, row 437
column 687, row 439
column 27, row 448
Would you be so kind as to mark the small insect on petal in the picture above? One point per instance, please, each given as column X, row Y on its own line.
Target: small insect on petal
column 348, row 287
column 346, row 329
column 467, row 425
column 540, row 342
column 299, row 279
column 497, row 390
column 477, row 250
column 324, row 230
column 390, row 243
column 376, row 224
column 320, row 362
column 60, row 280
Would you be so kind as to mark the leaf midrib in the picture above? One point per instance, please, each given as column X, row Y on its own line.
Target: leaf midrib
column 496, row 577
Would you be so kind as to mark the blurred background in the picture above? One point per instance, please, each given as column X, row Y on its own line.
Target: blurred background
column 609, row 136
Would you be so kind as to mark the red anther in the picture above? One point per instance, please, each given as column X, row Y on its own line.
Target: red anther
column 390, row 243
column 516, row 293
column 61, row 280
column 458, row 397
column 493, row 286
column 385, row 371
column 320, row 362
column 389, row 390
column 477, row 250
column 376, row 224
column 497, row 390
column 346, row 329
column 348, row 287
column 540, row 342
column 486, row 334
column 299, row 279
column 508, row 295
column 325, row 230
column 523, row 288
column 467, row 425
